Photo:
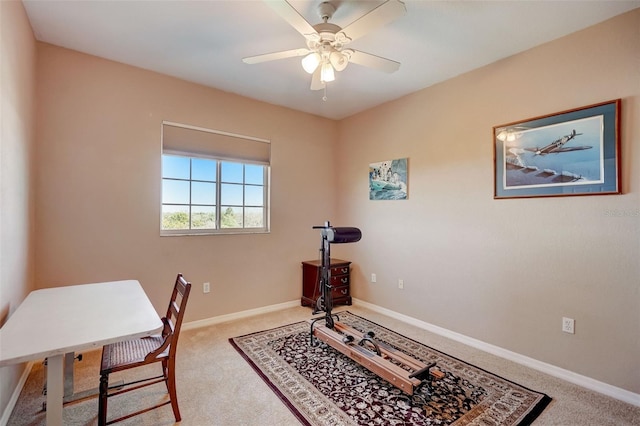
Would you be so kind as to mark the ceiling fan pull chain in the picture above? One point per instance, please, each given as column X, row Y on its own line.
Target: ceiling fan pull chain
column 324, row 98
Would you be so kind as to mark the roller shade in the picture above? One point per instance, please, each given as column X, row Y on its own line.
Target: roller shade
column 194, row 140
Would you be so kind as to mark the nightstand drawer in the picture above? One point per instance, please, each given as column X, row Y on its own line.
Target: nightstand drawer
column 340, row 293
column 340, row 270
column 339, row 280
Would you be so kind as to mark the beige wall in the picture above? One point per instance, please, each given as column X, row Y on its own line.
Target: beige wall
column 17, row 113
column 506, row 271
column 99, row 189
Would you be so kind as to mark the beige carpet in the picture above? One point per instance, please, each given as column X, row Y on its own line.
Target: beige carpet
column 217, row 387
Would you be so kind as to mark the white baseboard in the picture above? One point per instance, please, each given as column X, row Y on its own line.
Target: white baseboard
column 569, row 376
column 239, row 315
column 14, row 396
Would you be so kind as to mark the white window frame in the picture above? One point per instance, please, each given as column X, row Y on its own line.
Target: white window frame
column 218, row 208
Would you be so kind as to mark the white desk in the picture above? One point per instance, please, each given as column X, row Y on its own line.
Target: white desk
column 55, row 321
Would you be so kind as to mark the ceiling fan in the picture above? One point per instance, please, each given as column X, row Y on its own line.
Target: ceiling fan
column 325, row 51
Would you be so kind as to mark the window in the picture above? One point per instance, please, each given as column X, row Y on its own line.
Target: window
column 203, row 193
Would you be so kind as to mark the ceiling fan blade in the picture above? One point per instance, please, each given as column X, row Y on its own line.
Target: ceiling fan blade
column 373, row 61
column 291, row 15
column 377, row 18
column 275, row 55
column 316, row 82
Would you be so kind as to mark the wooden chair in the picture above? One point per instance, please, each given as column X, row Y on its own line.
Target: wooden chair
column 147, row 350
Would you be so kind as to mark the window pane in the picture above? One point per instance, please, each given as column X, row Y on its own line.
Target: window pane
column 254, row 174
column 203, row 193
column 253, row 195
column 175, row 217
column 175, row 191
column 203, row 217
column 231, row 194
column 231, row 218
column 203, row 169
column 231, row 172
column 175, row 167
column 254, row 217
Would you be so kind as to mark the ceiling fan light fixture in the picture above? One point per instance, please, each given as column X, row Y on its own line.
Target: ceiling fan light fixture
column 311, row 62
column 338, row 60
column 326, row 72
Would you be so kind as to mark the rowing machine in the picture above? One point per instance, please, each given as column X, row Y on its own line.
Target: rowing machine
column 378, row 357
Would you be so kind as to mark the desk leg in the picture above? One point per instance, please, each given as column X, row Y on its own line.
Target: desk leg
column 69, row 358
column 55, row 387
column 70, row 395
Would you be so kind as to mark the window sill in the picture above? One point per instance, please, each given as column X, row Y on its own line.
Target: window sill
column 193, row 233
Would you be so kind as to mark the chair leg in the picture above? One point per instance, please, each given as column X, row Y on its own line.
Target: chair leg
column 165, row 368
column 171, row 387
column 102, row 400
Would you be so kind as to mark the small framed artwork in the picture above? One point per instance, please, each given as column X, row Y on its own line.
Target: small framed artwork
column 388, row 180
column 575, row 152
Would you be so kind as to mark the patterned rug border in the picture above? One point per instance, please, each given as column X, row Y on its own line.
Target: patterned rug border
column 527, row 420
column 266, row 379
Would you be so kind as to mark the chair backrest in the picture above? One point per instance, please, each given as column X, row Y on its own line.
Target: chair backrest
column 173, row 319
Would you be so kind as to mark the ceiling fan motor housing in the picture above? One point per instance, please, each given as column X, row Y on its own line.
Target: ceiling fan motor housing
column 326, row 10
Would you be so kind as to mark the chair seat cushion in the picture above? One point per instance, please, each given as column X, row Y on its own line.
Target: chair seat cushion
column 129, row 353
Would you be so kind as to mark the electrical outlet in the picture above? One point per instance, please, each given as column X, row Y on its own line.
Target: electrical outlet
column 206, row 288
column 401, row 284
column 568, row 325
column 374, row 278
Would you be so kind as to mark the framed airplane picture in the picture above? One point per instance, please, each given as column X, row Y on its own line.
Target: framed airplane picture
column 575, row 152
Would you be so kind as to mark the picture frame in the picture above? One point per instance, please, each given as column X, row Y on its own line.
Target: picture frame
column 569, row 153
column 388, row 179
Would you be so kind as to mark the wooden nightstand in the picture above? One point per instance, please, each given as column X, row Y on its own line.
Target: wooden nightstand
column 339, row 277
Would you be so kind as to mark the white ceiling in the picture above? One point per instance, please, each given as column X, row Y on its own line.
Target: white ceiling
column 205, row 41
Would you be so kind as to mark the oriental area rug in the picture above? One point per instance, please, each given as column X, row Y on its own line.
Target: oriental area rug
column 323, row 387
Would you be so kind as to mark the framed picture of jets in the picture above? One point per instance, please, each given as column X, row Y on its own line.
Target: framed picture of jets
column 575, row 152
